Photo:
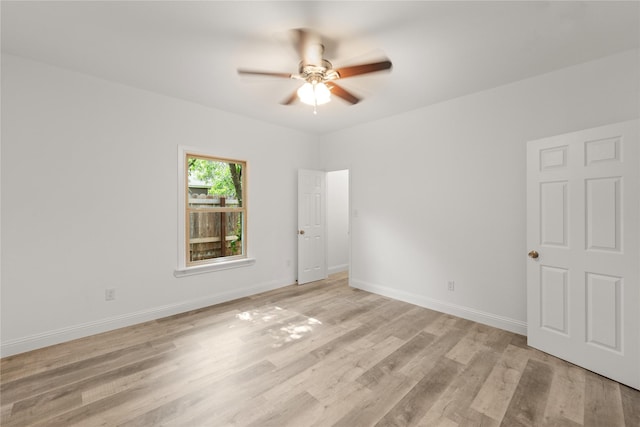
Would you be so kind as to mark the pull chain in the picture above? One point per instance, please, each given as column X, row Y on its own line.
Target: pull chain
column 315, row 100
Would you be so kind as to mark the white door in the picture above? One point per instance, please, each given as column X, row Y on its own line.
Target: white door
column 583, row 272
column 311, row 226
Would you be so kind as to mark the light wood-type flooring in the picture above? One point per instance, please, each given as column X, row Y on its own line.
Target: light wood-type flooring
column 321, row 354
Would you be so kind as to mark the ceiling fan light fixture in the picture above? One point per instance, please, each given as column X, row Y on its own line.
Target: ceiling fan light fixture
column 318, row 75
column 314, row 93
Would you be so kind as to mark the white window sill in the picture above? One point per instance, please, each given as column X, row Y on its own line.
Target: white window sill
column 217, row 266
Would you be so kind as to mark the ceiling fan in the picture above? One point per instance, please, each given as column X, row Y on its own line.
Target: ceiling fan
column 318, row 74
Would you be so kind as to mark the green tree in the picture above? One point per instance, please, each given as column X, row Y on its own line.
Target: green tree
column 224, row 178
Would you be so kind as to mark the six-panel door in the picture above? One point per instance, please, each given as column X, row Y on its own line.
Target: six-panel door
column 583, row 295
column 311, row 226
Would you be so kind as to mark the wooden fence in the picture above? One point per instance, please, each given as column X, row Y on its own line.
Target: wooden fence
column 207, row 231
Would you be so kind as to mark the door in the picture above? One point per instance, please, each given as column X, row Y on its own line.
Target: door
column 583, row 232
column 311, row 226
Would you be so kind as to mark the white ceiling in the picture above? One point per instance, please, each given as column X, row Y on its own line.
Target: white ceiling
column 439, row 50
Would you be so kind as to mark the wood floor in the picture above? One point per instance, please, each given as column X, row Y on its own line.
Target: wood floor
column 316, row 355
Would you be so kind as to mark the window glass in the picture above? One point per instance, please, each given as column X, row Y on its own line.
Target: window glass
column 215, row 209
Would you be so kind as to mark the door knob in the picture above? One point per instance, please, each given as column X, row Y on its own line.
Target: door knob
column 301, row 232
column 534, row 254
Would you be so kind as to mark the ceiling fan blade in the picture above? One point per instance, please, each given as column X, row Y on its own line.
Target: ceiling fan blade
column 356, row 70
column 265, row 73
column 290, row 99
column 342, row 93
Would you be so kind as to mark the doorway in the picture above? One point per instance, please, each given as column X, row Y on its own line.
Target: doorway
column 323, row 225
column 338, row 224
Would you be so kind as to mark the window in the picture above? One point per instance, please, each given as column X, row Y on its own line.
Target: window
column 214, row 213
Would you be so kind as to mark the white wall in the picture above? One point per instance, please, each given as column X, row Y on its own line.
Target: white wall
column 337, row 221
column 89, row 201
column 456, row 172
column 89, row 196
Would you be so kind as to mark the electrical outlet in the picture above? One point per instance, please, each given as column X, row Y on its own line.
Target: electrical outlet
column 109, row 294
column 451, row 286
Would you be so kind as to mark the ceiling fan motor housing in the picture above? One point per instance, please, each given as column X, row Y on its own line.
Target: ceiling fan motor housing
column 317, row 73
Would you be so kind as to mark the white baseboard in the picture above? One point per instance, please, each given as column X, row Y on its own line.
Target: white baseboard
column 57, row 336
column 512, row 325
column 45, row 339
column 337, row 268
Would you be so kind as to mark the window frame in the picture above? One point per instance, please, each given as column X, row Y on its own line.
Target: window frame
column 186, row 267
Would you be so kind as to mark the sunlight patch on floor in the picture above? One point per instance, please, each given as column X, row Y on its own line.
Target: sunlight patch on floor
column 288, row 331
column 293, row 331
column 266, row 316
